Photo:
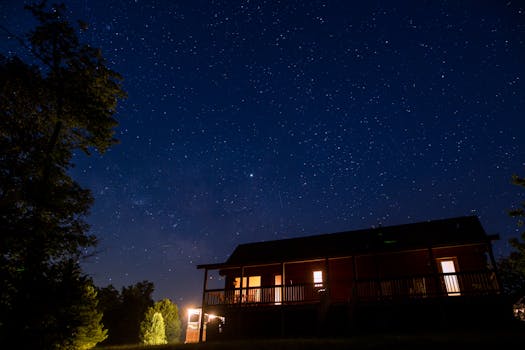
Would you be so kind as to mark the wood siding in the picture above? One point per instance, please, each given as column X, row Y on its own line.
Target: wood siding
column 386, row 275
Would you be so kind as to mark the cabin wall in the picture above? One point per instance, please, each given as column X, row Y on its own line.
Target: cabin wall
column 302, row 273
column 470, row 258
column 415, row 263
column 342, row 277
column 267, row 273
column 368, row 267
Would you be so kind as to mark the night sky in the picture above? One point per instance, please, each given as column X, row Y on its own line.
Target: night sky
column 259, row 120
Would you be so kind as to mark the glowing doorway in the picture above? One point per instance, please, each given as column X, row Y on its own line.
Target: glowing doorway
column 450, row 277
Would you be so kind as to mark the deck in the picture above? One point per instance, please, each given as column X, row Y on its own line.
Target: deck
column 362, row 290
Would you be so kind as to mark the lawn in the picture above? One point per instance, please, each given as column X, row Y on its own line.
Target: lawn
column 497, row 340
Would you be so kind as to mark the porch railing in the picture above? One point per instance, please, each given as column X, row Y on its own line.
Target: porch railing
column 427, row 286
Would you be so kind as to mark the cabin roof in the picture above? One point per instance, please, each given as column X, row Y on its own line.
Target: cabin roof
column 438, row 233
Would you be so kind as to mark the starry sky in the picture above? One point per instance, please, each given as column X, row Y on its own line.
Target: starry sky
column 259, row 120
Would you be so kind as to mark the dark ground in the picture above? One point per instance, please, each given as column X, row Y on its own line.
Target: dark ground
column 497, row 340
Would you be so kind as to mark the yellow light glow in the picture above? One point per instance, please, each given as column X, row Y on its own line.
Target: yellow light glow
column 211, row 316
column 192, row 311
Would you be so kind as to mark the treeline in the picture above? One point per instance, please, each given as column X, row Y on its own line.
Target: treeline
column 129, row 316
column 58, row 99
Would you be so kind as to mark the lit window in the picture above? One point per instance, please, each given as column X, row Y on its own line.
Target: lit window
column 318, row 278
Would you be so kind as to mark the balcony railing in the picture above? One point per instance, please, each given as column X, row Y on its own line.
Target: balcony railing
column 428, row 286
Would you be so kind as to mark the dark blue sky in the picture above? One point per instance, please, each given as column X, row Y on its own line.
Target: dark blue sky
column 258, row 120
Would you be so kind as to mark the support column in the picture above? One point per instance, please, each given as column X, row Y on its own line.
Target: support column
column 240, row 327
column 378, row 277
column 204, row 287
column 435, row 271
column 439, row 288
column 241, row 285
column 283, row 281
column 355, row 294
column 327, row 269
column 494, row 265
column 351, row 310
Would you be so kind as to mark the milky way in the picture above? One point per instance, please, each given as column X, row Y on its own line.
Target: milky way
column 250, row 121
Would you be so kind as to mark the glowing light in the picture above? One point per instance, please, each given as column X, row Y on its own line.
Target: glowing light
column 450, row 278
column 318, row 278
column 194, row 315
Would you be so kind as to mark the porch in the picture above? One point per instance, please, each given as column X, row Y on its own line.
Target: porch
column 472, row 283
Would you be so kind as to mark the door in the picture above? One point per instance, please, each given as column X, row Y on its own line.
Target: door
column 448, row 268
column 277, row 290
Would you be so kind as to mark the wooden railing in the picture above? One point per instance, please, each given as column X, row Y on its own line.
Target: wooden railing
column 449, row 284
column 446, row 284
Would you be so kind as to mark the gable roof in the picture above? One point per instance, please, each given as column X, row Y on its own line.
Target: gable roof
column 437, row 233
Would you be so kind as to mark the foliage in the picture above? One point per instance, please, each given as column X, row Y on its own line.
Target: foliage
column 91, row 332
column 110, row 304
column 62, row 102
column 170, row 314
column 519, row 255
column 152, row 328
column 512, row 278
column 512, row 268
column 519, row 309
column 124, row 311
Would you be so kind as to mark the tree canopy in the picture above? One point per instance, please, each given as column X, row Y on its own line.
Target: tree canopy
column 124, row 311
column 91, row 331
column 170, row 316
column 519, row 254
column 152, row 328
column 63, row 100
column 512, row 268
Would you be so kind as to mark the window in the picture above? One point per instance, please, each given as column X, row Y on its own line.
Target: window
column 318, row 278
column 251, row 291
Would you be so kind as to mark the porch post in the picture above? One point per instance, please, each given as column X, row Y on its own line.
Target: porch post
column 354, row 298
column 439, row 287
column 327, row 269
column 494, row 265
column 205, row 286
column 240, row 327
column 355, row 295
column 435, row 271
column 283, row 279
column 378, row 277
column 240, row 285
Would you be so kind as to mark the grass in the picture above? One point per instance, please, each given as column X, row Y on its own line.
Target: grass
column 512, row 339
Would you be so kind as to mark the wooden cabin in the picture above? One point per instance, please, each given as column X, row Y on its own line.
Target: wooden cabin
column 421, row 275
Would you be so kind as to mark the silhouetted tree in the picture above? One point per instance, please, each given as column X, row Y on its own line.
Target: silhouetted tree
column 512, row 268
column 91, row 331
column 110, row 304
column 519, row 213
column 124, row 312
column 63, row 101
